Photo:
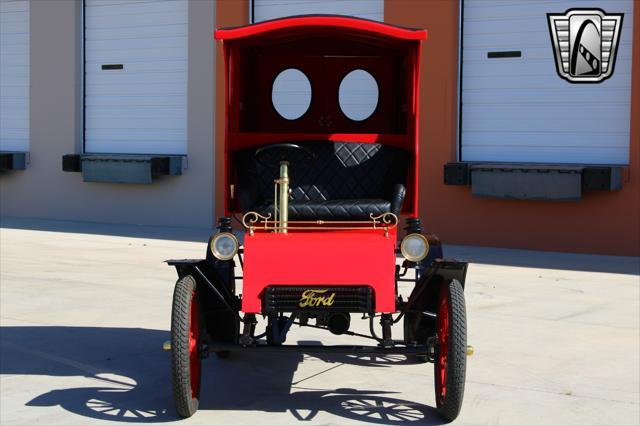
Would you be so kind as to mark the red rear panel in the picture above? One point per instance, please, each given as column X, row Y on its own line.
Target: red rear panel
column 336, row 258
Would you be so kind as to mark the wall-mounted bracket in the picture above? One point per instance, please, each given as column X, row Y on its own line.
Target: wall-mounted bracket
column 524, row 181
column 10, row 160
column 120, row 168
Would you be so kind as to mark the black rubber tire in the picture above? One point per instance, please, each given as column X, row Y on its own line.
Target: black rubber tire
column 449, row 406
column 185, row 290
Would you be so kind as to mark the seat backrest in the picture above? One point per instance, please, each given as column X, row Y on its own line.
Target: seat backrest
column 341, row 170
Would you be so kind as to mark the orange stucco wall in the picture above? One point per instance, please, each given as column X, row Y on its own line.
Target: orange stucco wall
column 602, row 222
column 229, row 13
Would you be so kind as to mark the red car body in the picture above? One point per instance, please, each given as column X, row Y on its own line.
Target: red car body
column 330, row 258
column 334, row 257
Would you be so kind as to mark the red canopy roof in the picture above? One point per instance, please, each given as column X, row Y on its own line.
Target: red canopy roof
column 322, row 21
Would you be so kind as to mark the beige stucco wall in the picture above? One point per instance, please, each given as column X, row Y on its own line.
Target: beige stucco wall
column 43, row 190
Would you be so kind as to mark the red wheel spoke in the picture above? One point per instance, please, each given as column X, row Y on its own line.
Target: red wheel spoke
column 194, row 353
column 443, row 345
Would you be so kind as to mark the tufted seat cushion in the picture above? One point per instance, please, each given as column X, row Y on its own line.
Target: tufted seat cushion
column 347, row 180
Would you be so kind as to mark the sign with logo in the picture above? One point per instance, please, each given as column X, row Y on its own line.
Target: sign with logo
column 316, row 298
column 585, row 43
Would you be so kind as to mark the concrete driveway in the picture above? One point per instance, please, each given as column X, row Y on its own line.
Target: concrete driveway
column 84, row 313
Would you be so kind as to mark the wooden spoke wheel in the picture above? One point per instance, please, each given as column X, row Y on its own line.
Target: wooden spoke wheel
column 185, row 346
column 451, row 350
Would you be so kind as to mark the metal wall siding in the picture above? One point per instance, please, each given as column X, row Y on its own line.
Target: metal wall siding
column 264, row 10
column 519, row 109
column 142, row 108
column 14, row 75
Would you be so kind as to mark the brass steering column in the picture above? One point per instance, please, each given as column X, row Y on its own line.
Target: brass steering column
column 282, row 211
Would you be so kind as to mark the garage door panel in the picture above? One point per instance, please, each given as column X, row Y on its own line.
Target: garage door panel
column 142, row 146
column 14, row 64
column 14, row 117
column 528, row 68
column 145, row 136
column 501, row 39
column 134, row 67
column 131, row 89
column 136, row 101
column 102, row 121
column 126, row 112
column 135, row 43
column 140, row 78
column 541, row 154
column 171, row 30
column 14, row 75
column 133, row 109
column 125, row 15
column 549, row 97
column 14, row 135
column 533, row 81
column 19, row 82
column 519, row 109
column 560, row 124
column 533, row 55
column 13, row 103
column 17, row 38
column 106, row 8
column 149, row 20
column 264, row 10
column 507, row 10
column 575, row 139
column 506, row 28
column 541, row 111
column 106, row 56
column 9, row 6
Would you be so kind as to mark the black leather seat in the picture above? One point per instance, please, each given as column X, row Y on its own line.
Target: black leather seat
column 346, row 181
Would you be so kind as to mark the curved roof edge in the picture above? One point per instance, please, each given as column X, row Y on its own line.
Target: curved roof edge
column 329, row 21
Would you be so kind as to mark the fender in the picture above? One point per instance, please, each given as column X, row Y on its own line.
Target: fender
column 216, row 289
column 419, row 311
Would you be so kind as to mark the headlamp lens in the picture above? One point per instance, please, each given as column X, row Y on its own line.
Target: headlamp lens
column 414, row 247
column 224, row 246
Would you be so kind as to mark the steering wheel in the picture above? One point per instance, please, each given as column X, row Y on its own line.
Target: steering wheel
column 271, row 155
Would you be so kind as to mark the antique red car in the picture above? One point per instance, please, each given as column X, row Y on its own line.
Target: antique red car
column 321, row 162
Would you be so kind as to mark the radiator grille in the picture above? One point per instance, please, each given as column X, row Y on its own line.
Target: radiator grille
column 345, row 298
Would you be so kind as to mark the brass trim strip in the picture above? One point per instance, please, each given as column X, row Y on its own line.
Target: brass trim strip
column 253, row 221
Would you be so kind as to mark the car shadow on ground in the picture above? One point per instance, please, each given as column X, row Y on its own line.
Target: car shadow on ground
column 132, row 379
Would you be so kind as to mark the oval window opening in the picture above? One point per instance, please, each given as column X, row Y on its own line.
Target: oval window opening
column 291, row 93
column 358, row 95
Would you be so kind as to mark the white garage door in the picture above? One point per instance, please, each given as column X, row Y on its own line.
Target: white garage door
column 136, row 76
column 14, row 75
column 264, row 10
column 518, row 109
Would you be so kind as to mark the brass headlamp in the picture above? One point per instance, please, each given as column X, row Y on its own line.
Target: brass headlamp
column 414, row 247
column 224, row 246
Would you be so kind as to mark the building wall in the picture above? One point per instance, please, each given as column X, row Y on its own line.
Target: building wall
column 602, row 222
column 229, row 13
column 43, row 190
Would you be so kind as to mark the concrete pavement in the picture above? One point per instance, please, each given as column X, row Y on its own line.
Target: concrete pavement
column 83, row 315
